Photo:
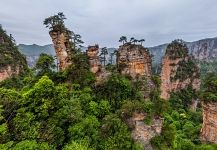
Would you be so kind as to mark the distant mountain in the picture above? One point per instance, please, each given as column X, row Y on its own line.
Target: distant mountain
column 33, row 51
column 203, row 50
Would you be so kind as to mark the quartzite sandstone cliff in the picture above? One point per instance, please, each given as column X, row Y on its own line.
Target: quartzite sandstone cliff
column 209, row 127
column 134, row 60
column 63, row 48
column 178, row 70
column 94, row 61
column 95, row 65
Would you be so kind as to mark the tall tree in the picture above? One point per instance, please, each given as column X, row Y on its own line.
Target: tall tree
column 111, row 58
column 104, row 52
column 76, row 40
column 115, row 53
column 123, row 39
column 141, row 41
column 55, row 22
column 45, row 64
column 132, row 39
column 57, row 62
column 135, row 41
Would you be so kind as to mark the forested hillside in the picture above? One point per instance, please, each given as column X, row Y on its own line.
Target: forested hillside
column 12, row 62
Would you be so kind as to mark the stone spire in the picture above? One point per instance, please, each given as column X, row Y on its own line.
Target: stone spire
column 178, row 70
column 62, row 47
column 92, row 53
column 134, row 60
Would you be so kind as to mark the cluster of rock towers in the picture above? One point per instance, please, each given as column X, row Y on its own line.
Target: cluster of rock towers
column 136, row 61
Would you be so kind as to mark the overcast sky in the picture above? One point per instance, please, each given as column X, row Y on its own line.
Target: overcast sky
column 104, row 21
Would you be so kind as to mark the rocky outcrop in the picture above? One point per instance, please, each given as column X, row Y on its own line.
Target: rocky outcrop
column 95, row 65
column 8, row 72
column 62, row 47
column 209, row 127
column 143, row 133
column 134, row 60
column 94, row 61
column 178, row 70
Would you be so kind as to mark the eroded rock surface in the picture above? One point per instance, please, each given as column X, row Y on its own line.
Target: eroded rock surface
column 134, row 60
column 209, row 127
column 62, row 47
column 178, row 70
column 8, row 72
column 143, row 133
column 94, row 61
column 95, row 65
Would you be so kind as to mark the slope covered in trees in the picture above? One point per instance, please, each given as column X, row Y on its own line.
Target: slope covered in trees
column 12, row 61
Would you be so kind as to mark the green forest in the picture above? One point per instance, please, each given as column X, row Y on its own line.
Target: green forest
column 45, row 109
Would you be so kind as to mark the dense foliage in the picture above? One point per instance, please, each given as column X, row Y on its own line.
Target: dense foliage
column 210, row 91
column 177, row 49
column 66, row 113
column 187, row 69
column 207, row 67
column 9, row 54
column 181, row 128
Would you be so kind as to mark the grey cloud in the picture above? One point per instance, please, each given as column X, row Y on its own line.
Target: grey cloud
column 104, row 21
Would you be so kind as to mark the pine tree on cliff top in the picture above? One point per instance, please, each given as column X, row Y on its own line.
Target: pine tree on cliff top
column 55, row 22
column 123, row 39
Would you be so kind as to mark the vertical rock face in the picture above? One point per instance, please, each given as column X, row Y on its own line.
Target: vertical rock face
column 95, row 65
column 134, row 60
column 209, row 108
column 178, row 70
column 209, row 128
column 62, row 47
column 92, row 53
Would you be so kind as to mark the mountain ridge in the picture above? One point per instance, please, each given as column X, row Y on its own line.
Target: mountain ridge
column 203, row 50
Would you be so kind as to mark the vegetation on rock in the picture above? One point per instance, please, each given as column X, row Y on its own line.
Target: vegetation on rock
column 177, row 49
column 9, row 54
column 209, row 93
